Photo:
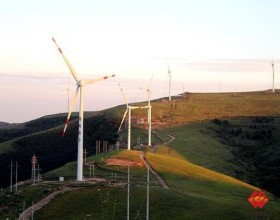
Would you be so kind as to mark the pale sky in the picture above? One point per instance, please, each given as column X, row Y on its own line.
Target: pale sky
column 206, row 43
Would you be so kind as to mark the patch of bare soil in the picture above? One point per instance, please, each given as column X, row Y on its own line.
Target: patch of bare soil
column 123, row 162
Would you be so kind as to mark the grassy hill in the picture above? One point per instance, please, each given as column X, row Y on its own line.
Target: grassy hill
column 195, row 192
column 192, row 107
column 215, row 134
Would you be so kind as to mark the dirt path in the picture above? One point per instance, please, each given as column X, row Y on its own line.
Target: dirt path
column 26, row 214
column 162, row 182
column 143, row 158
column 172, row 138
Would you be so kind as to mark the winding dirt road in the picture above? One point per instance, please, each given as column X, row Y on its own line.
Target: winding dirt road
column 172, row 138
column 27, row 214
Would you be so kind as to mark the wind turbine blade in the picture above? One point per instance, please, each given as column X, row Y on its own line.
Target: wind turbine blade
column 90, row 81
column 123, row 119
column 124, row 97
column 70, row 110
column 72, row 70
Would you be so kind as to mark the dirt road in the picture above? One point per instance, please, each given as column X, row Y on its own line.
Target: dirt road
column 162, row 182
column 172, row 138
column 27, row 214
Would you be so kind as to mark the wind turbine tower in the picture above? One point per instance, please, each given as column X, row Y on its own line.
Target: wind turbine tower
column 169, row 75
column 150, row 113
column 80, row 87
column 272, row 64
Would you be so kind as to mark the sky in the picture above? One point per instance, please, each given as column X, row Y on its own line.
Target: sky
column 210, row 46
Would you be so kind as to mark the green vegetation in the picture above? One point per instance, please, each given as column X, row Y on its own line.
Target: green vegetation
column 217, row 137
column 196, row 193
column 18, row 130
column 198, row 143
column 255, row 145
column 51, row 149
column 12, row 204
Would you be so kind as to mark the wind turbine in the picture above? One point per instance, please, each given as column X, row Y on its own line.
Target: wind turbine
column 128, row 110
column 81, row 83
column 169, row 75
column 272, row 64
column 149, row 107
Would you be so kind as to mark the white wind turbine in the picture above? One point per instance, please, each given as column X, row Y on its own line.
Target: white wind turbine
column 149, row 107
column 80, row 86
column 272, row 64
column 169, row 75
column 128, row 110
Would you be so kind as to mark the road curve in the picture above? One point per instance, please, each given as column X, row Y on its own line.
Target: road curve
column 172, row 138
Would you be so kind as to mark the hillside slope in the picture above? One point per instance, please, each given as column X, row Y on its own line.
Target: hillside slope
column 191, row 107
column 197, row 122
column 51, row 149
column 195, row 192
column 24, row 139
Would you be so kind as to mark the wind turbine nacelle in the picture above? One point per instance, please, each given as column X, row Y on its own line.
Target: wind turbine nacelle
column 81, row 83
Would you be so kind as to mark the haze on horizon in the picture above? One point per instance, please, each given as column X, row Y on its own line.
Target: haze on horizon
column 207, row 43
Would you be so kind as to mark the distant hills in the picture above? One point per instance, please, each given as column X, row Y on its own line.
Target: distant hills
column 3, row 124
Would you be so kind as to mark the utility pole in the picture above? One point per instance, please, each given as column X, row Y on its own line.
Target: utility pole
column 128, row 189
column 150, row 126
column 272, row 64
column 33, row 171
column 11, row 186
column 85, row 153
column 91, row 170
column 148, row 192
column 96, row 147
column 16, row 174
